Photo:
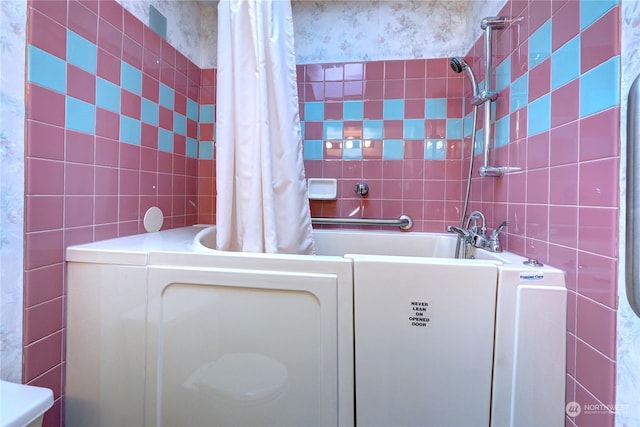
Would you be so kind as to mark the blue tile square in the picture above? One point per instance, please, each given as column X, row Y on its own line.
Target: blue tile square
column 192, row 148
column 81, row 52
column 333, row 130
column 591, row 10
column 352, row 149
column 565, row 63
column 107, row 95
column 435, row 149
column 192, row 109
column 353, row 110
column 393, row 109
column 206, row 150
column 312, row 149
column 392, row 149
column 436, row 108
column 539, row 113
column 372, row 129
column 149, row 113
column 454, row 129
column 503, row 74
column 167, row 97
column 314, row 111
column 80, row 115
column 47, row 70
column 479, row 145
column 468, row 124
column 519, row 93
column 502, row 129
column 179, row 123
column 207, row 113
column 540, row 45
column 600, row 87
column 130, row 130
column 131, row 78
column 413, row 129
column 165, row 140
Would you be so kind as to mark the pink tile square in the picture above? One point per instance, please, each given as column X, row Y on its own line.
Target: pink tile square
column 599, row 135
column 538, row 186
column 540, row 79
column 106, row 210
column 165, row 162
column 413, row 189
column 130, row 104
column 595, row 371
column 393, row 89
column 333, row 110
column 41, row 356
column 333, row 72
column 373, row 89
column 108, row 66
column 565, row 103
column 182, row 63
column 129, row 156
column 83, row 21
column 109, row 38
column 148, row 159
column 43, row 284
column 112, row 12
column 106, row 231
column 106, row 181
column 133, row 27
column 132, row 52
column 373, row 109
column 502, row 108
column 79, row 147
column 43, row 213
column 168, row 53
column 45, row 141
column 352, row 129
column 517, row 182
column 435, row 128
column 47, row 34
column 538, row 225
column 415, row 68
column 81, row 84
column 599, row 183
column 564, row 24
column 107, row 124
column 596, row 326
column 374, row 70
column 438, row 67
column 333, row 91
column 150, row 65
column 78, row 211
column 394, row 69
column 598, row 230
column 332, row 150
column 564, row 188
column 516, row 216
column 600, row 41
column 193, row 90
column 107, row 151
column 597, row 278
column 44, row 176
column 594, row 418
column 168, row 74
column 539, row 13
column 564, row 144
column 391, row 169
column 414, row 109
column 456, row 87
column 179, row 148
column 520, row 57
column 181, row 82
column 43, row 248
column 148, row 183
column 149, row 135
column 414, row 89
column 128, row 208
column 42, row 320
column 563, row 225
column 78, row 179
column 45, row 105
column 193, row 72
column 54, row 9
column 372, row 150
column 180, row 103
column 436, row 87
column 566, row 259
column 165, row 118
column 52, row 379
column 413, row 168
column 392, row 129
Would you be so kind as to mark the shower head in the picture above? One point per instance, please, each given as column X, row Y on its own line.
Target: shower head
column 459, row 65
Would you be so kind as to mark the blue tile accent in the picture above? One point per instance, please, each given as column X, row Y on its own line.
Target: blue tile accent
column 540, row 45
column 352, row 149
column 372, row 129
column 519, row 94
column 131, row 79
column 436, row 108
column 468, row 124
column 353, row 110
column 479, row 145
column 47, row 70
column 413, row 129
column 454, row 128
column 312, row 149
column 107, row 95
column 192, row 109
column 435, row 149
column 207, row 113
column 149, row 113
column 503, row 74
column 600, row 87
column 539, row 113
column 130, row 130
column 314, row 111
column 503, row 131
column 192, row 148
column 333, row 130
column 80, row 115
column 81, row 52
column 179, row 123
column 206, row 150
column 167, row 96
column 302, row 132
column 565, row 63
column 591, row 10
column 165, row 140
column 393, row 109
column 392, row 149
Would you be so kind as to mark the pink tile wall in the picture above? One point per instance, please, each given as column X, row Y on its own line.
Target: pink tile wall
column 83, row 187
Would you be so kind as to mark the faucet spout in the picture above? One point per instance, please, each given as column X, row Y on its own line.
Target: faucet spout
column 459, row 231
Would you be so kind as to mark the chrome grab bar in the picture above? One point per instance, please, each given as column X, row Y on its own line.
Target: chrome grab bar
column 404, row 222
column 632, row 244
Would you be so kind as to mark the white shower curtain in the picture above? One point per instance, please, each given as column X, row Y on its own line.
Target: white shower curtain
column 261, row 203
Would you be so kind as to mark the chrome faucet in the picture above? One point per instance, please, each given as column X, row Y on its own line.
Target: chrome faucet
column 474, row 235
column 494, row 241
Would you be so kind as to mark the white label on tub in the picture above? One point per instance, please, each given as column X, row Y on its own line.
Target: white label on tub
column 418, row 316
column 531, row 276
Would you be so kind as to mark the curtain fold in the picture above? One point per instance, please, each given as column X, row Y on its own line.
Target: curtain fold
column 261, row 202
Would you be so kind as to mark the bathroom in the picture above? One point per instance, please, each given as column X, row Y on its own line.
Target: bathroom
column 564, row 206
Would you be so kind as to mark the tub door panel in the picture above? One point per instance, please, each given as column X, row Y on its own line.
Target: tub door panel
column 236, row 347
column 424, row 333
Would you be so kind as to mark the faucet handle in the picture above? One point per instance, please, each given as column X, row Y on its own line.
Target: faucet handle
column 497, row 231
column 494, row 241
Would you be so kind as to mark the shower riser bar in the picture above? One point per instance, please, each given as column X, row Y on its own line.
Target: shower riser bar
column 404, row 222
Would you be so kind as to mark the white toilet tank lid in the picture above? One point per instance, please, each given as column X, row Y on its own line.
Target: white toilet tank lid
column 21, row 404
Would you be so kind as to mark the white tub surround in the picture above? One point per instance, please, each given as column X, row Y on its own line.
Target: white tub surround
column 189, row 334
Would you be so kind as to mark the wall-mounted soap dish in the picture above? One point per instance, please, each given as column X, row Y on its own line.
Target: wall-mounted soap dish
column 322, row 188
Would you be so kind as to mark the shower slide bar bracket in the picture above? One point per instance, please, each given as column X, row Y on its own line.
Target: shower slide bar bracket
column 405, row 222
column 632, row 243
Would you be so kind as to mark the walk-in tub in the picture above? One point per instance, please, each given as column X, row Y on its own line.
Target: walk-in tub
column 378, row 329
